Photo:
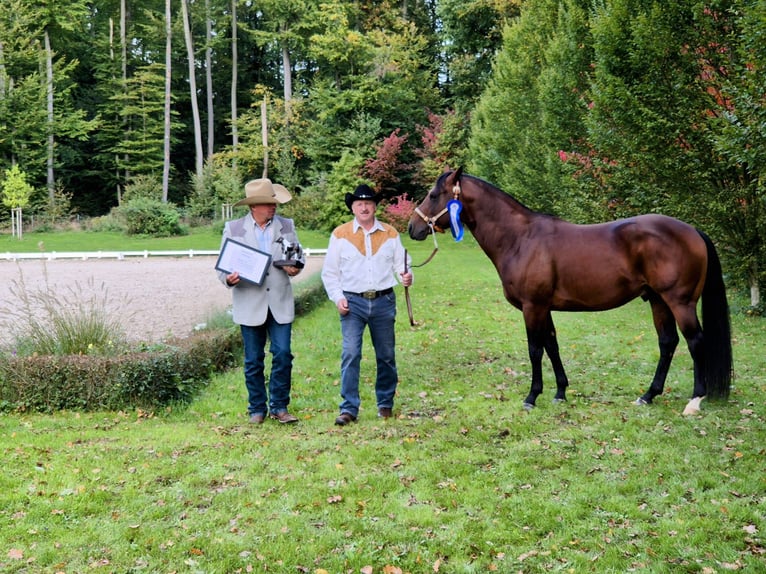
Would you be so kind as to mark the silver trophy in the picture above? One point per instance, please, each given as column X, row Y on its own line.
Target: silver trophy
column 292, row 254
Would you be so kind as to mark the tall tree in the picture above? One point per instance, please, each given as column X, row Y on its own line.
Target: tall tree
column 55, row 15
column 167, row 98
column 234, row 75
column 199, row 157
column 209, row 79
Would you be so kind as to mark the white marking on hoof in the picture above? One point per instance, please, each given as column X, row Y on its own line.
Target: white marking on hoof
column 693, row 406
column 640, row 401
column 528, row 406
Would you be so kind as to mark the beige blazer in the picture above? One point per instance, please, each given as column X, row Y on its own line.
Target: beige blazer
column 250, row 302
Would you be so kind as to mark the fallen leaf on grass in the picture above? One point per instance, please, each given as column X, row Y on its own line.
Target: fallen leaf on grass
column 16, row 554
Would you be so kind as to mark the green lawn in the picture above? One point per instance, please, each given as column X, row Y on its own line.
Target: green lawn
column 202, row 238
column 464, row 480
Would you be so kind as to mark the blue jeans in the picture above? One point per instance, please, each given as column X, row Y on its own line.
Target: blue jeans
column 380, row 316
column 254, row 341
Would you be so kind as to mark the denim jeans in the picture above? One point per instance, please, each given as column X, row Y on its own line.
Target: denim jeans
column 379, row 315
column 254, row 342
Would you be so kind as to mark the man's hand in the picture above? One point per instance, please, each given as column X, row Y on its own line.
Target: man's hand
column 343, row 306
column 232, row 279
column 291, row 270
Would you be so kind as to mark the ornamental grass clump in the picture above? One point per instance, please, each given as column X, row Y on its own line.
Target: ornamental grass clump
column 78, row 321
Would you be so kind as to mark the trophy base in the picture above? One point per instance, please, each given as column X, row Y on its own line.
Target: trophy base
column 288, row 263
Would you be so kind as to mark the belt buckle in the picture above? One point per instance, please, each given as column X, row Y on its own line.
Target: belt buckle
column 370, row 294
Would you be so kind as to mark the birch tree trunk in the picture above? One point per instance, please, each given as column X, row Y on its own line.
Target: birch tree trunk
column 265, row 137
column 198, row 154
column 49, row 96
column 287, row 71
column 168, row 63
column 124, row 62
column 234, row 56
column 209, row 81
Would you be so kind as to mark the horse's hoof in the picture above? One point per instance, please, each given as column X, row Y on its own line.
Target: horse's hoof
column 641, row 401
column 528, row 406
column 557, row 401
column 693, row 406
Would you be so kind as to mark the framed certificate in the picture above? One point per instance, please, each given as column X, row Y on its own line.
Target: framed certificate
column 250, row 263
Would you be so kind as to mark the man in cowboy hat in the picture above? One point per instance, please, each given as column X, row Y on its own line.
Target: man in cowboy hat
column 364, row 259
column 266, row 310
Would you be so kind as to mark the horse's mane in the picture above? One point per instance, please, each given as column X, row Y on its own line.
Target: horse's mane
column 490, row 188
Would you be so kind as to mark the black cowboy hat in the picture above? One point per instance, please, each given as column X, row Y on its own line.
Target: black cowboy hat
column 361, row 192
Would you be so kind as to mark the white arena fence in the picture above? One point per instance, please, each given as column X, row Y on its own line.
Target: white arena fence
column 85, row 255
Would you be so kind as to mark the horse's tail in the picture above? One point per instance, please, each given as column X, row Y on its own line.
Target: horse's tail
column 717, row 363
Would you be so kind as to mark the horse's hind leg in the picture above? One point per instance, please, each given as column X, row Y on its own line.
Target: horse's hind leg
column 552, row 348
column 692, row 331
column 665, row 325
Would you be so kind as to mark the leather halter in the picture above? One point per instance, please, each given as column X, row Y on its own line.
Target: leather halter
column 431, row 222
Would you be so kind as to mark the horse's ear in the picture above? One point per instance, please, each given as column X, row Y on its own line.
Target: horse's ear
column 458, row 172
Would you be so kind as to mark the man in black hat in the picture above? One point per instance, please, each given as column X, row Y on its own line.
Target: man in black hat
column 364, row 259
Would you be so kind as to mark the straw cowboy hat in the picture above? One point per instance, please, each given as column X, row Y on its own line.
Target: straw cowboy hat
column 361, row 192
column 262, row 191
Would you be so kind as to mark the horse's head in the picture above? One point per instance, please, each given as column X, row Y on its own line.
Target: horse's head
column 431, row 215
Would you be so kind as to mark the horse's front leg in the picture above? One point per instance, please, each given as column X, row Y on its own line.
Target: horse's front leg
column 552, row 348
column 535, row 322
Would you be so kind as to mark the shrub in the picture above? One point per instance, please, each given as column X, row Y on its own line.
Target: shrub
column 398, row 211
column 164, row 374
column 146, row 216
column 76, row 322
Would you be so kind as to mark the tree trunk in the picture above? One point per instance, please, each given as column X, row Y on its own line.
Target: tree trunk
column 287, row 72
column 234, row 56
column 755, row 291
column 209, row 81
column 265, row 137
column 124, row 63
column 2, row 72
column 199, row 155
column 168, row 63
column 49, row 94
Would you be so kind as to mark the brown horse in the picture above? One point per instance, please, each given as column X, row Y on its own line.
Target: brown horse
column 547, row 264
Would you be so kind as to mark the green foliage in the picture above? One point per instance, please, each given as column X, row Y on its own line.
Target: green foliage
column 143, row 186
column 16, row 190
column 507, row 145
column 220, row 183
column 147, row 216
column 141, row 107
column 58, row 209
column 343, row 179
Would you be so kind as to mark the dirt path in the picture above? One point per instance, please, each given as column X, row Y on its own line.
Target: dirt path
column 155, row 297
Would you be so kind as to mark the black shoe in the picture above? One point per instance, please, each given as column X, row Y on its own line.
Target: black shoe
column 344, row 419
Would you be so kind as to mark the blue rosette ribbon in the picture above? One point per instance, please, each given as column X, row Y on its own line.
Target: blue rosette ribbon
column 454, row 207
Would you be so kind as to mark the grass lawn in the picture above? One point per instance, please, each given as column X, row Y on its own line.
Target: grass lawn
column 198, row 238
column 463, row 480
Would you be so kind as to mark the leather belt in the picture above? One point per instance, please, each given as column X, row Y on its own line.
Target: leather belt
column 372, row 294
